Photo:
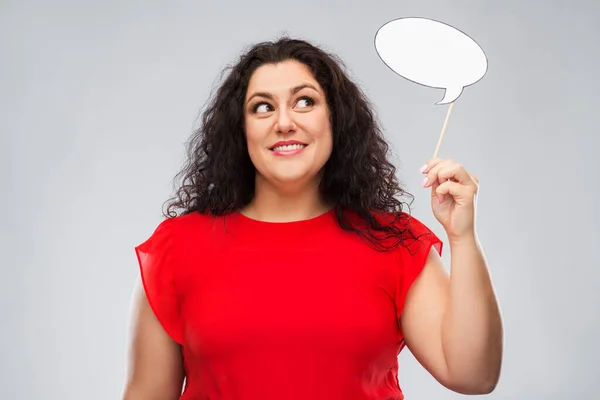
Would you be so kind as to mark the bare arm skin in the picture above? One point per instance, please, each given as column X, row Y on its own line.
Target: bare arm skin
column 155, row 362
column 452, row 324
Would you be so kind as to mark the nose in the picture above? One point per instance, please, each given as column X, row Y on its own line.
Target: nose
column 285, row 122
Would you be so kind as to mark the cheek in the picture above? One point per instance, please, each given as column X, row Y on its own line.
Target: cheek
column 329, row 145
column 326, row 135
column 319, row 126
column 325, row 146
column 253, row 136
column 255, row 139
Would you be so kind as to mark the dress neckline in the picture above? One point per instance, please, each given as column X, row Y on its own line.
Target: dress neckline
column 298, row 223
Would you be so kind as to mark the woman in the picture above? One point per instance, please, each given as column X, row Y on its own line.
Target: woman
column 293, row 271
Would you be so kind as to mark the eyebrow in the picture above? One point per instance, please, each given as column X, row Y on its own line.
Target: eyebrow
column 293, row 90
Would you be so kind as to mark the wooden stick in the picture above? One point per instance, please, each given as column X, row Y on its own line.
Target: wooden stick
column 437, row 149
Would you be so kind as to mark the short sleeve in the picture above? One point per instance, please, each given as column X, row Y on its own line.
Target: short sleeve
column 413, row 257
column 157, row 262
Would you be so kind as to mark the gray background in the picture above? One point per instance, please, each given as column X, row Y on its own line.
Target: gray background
column 98, row 97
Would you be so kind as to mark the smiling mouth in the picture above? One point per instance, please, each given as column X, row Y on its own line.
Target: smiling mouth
column 289, row 147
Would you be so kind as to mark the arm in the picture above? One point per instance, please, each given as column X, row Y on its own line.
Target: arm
column 452, row 325
column 156, row 366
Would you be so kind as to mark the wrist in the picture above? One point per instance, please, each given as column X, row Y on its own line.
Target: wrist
column 468, row 239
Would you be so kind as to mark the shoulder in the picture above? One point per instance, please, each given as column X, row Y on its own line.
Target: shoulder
column 171, row 231
column 403, row 221
column 186, row 222
column 415, row 235
column 173, row 242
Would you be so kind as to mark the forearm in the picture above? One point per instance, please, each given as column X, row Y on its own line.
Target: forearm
column 472, row 326
column 139, row 392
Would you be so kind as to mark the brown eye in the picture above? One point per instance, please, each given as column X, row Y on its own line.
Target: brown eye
column 306, row 100
column 261, row 107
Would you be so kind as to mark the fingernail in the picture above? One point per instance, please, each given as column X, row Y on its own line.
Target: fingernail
column 423, row 168
column 425, row 181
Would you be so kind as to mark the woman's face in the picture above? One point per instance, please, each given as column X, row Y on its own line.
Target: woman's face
column 287, row 124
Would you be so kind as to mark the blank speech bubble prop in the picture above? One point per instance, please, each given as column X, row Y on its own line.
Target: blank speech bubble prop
column 432, row 54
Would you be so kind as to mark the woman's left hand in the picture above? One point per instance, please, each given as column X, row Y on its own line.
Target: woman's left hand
column 453, row 196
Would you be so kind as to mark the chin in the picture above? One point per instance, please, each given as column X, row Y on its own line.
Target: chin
column 290, row 178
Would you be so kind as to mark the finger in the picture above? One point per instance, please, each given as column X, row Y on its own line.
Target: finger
column 460, row 193
column 432, row 162
column 432, row 179
column 433, row 175
column 452, row 170
column 434, row 192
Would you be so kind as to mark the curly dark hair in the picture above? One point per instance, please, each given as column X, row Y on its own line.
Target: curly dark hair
column 218, row 176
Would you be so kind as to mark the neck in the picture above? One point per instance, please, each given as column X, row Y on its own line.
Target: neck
column 278, row 204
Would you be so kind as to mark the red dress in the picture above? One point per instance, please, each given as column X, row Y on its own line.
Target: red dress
column 264, row 311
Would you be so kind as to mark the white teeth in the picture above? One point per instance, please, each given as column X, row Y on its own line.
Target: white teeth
column 289, row 147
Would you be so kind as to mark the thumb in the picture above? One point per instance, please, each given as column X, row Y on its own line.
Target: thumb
column 433, row 194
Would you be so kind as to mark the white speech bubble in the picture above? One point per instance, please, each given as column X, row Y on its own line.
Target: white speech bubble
column 432, row 54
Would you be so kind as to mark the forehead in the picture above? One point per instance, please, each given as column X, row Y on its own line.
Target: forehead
column 280, row 77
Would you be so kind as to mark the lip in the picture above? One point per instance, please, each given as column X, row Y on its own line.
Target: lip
column 285, row 143
column 288, row 152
